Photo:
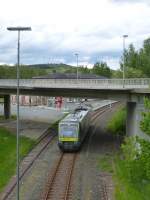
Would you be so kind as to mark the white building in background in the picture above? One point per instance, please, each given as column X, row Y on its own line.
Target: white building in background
column 43, row 101
column 30, row 100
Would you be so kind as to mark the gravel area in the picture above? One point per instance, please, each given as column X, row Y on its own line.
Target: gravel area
column 28, row 128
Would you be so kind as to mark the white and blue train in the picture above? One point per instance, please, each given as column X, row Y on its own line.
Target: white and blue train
column 73, row 129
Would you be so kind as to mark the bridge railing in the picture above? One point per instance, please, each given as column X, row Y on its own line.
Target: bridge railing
column 80, row 83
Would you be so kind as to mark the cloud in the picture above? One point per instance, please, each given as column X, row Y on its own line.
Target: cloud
column 92, row 28
column 129, row 1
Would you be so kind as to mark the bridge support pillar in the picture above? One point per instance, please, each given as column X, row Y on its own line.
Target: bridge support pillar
column 134, row 116
column 7, row 106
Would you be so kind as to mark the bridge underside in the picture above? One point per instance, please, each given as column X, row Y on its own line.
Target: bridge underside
column 120, row 95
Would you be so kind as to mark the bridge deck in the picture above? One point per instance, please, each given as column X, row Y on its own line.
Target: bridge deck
column 80, row 83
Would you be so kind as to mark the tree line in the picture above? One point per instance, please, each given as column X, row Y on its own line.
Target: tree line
column 99, row 68
column 9, row 72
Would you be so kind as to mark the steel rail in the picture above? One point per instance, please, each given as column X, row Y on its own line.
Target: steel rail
column 49, row 188
column 102, row 110
column 69, row 180
column 51, row 181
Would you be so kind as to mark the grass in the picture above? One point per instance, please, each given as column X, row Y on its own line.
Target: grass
column 105, row 163
column 124, row 189
column 2, row 117
column 8, row 154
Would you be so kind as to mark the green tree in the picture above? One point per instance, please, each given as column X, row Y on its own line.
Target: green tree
column 84, row 70
column 117, row 73
column 129, row 57
column 137, row 62
column 102, row 69
column 133, row 72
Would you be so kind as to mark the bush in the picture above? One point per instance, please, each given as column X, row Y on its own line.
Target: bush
column 136, row 153
column 118, row 122
column 145, row 122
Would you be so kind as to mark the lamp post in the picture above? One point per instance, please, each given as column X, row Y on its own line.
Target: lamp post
column 19, row 29
column 124, row 37
column 76, row 54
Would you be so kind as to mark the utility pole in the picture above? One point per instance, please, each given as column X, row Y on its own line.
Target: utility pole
column 76, row 54
column 19, row 29
column 124, row 37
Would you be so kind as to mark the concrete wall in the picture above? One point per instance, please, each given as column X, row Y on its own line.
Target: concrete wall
column 134, row 116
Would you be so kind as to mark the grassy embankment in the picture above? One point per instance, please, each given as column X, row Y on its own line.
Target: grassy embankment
column 129, row 182
column 8, row 154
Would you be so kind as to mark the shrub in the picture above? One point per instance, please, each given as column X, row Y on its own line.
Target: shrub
column 118, row 122
column 145, row 122
column 136, row 153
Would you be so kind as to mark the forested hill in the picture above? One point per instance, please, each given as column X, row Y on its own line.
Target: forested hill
column 29, row 71
column 36, row 70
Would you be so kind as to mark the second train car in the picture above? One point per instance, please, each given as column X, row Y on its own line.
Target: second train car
column 73, row 129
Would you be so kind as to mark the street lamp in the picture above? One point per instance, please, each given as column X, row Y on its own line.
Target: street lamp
column 19, row 29
column 76, row 54
column 124, row 37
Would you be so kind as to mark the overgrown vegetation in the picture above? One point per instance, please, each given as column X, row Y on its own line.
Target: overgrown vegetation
column 132, row 171
column 145, row 122
column 118, row 122
column 131, row 165
column 136, row 152
column 8, row 154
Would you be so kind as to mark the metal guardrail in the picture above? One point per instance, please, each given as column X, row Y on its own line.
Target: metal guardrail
column 80, row 83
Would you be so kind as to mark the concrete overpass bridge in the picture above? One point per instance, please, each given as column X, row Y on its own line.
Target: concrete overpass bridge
column 131, row 91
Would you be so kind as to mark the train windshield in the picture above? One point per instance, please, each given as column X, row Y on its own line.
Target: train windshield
column 68, row 130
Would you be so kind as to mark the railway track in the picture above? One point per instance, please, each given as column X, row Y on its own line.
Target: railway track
column 59, row 183
column 60, row 179
column 28, row 161
column 104, row 189
column 102, row 110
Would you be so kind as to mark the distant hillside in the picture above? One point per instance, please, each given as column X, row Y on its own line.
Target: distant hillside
column 51, row 68
column 48, row 70
column 50, row 65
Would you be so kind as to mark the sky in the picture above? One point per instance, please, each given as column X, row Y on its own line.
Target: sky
column 61, row 28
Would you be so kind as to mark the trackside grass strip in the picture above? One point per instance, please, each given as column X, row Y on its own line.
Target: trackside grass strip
column 8, row 154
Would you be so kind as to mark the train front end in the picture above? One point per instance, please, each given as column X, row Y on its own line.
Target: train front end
column 68, row 136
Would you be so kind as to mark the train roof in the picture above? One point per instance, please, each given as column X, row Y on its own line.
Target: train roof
column 77, row 116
